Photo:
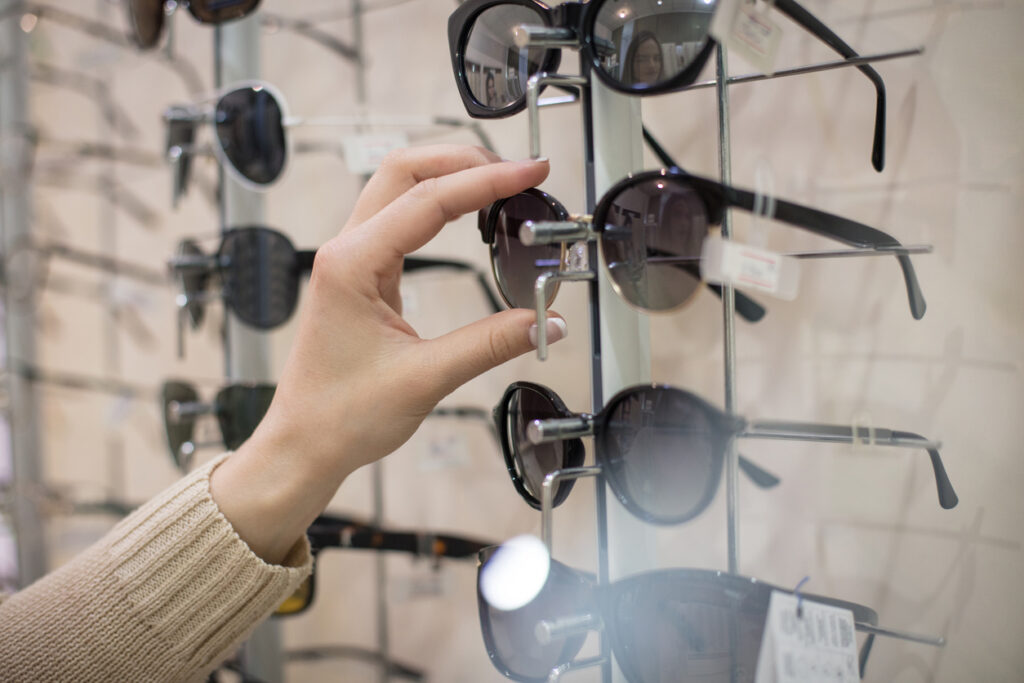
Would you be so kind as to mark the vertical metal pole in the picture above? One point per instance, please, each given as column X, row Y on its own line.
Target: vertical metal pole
column 624, row 333
column 19, row 319
column 729, row 317
column 247, row 352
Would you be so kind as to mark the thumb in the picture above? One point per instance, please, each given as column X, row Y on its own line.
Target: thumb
column 462, row 354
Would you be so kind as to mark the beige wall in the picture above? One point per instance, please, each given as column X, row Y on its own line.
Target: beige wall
column 865, row 526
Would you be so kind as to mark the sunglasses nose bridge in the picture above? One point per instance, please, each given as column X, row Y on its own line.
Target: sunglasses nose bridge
column 548, row 232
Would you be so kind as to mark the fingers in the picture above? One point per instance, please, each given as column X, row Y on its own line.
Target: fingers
column 414, row 218
column 404, row 169
column 461, row 355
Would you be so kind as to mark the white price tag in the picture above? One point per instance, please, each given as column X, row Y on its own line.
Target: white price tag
column 741, row 265
column 745, row 27
column 817, row 647
column 364, row 153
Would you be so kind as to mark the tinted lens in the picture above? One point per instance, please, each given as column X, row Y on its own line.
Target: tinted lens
column 659, row 450
column 147, row 21
column 516, row 266
column 299, row 600
column 533, row 462
column 645, row 44
column 251, row 134
column 261, row 276
column 652, row 241
column 194, row 282
column 511, row 636
column 217, row 11
column 669, row 628
column 240, row 409
column 179, row 430
column 496, row 70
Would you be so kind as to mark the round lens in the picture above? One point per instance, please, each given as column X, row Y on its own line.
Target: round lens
column 251, row 134
column 517, row 266
column 147, row 21
column 218, row 11
column 512, row 638
column 642, row 45
column 659, row 450
column 239, row 409
column 179, row 428
column 261, row 276
column 651, row 240
column 690, row 628
column 496, row 69
column 533, row 461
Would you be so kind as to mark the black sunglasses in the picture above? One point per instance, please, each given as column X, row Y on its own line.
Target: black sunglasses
column 670, row 624
column 330, row 531
column 651, row 228
column 238, row 408
column 146, row 17
column 660, row 448
column 649, row 48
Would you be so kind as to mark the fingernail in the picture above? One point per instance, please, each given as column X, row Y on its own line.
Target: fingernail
column 539, row 160
column 556, row 329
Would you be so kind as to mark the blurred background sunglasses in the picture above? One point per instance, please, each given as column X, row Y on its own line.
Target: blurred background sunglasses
column 331, row 531
column 660, row 448
column 146, row 18
column 669, row 624
column 636, row 48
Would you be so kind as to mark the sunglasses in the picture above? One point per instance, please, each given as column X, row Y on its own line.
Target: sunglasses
column 329, row 531
column 238, row 408
column 670, row 624
column 660, row 448
column 147, row 17
column 634, row 48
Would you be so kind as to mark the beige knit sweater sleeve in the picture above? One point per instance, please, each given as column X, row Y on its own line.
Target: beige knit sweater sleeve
column 166, row 595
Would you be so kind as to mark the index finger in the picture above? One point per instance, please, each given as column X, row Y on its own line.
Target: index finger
column 413, row 219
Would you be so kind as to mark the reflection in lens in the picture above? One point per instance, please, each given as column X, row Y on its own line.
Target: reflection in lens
column 260, row 273
column 517, row 266
column 534, row 461
column 496, row 69
column 239, row 409
column 251, row 134
column 659, row 448
column 178, row 429
column 645, row 44
column 652, row 241
column 147, row 21
column 677, row 628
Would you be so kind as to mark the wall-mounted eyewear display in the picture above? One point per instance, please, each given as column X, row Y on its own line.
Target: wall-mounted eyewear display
column 670, row 624
column 637, row 47
column 329, row 531
column 146, row 18
column 660, row 448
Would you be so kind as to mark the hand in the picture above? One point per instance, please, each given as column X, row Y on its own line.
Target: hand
column 359, row 380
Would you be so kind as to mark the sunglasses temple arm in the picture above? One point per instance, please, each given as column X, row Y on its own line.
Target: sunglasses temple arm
column 540, row 301
column 761, row 477
column 825, row 433
column 307, row 30
column 936, row 641
column 801, row 16
column 547, row 497
column 832, row 226
column 411, row 264
column 534, row 85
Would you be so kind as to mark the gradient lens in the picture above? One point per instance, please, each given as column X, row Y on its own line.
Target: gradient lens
column 179, row 429
column 147, row 21
column 511, row 636
column 496, row 69
column 260, row 272
column 659, row 451
column 297, row 601
column 641, row 45
column 651, row 241
column 239, row 409
column 218, row 11
column 250, row 131
column 517, row 266
column 533, row 461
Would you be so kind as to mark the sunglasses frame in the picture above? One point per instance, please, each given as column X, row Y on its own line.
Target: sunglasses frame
column 203, row 16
